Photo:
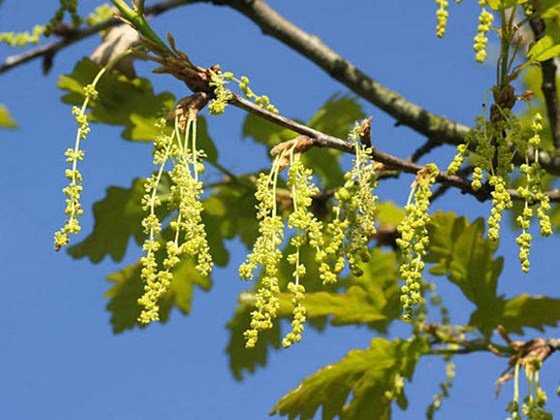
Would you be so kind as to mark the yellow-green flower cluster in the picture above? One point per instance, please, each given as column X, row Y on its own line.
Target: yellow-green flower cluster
column 186, row 192
column 442, row 15
column 525, row 238
column 534, row 403
column 532, row 193
column 501, row 200
column 535, row 176
column 298, row 317
column 70, row 6
column 330, row 254
column 266, row 254
column 73, row 190
column 308, row 230
column 414, row 239
column 443, row 393
column 359, row 204
column 189, row 234
column 100, row 14
column 485, row 20
column 477, row 178
column 263, row 101
column 222, row 95
column 156, row 282
column 458, row 159
column 21, row 39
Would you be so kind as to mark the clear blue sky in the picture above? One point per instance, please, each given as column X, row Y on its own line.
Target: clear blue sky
column 58, row 356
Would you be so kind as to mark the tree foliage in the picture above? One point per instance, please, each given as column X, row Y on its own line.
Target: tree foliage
column 326, row 248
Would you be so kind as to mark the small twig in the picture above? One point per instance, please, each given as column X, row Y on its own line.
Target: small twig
column 442, row 189
column 49, row 50
column 425, row 149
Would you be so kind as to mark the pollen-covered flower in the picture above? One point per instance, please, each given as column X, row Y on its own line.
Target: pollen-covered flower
column 299, row 315
column 485, row 20
column 358, row 206
column 501, row 200
column 442, row 15
column 73, row 190
column 189, row 239
column 458, row 159
column 414, row 240
column 222, row 95
column 266, row 254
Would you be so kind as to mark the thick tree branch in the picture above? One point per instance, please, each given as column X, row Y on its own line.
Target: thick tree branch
column 48, row 50
column 548, row 85
column 405, row 112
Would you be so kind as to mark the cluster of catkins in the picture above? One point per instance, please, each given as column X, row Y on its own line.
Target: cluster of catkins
column 343, row 239
column 187, row 234
column 175, row 147
column 485, row 21
column 492, row 157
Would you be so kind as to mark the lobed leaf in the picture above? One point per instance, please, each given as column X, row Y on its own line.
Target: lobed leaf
column 131, row 103
column 358, row 386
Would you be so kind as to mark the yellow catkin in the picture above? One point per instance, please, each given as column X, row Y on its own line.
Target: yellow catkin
column 442, row 15
column 485, row 20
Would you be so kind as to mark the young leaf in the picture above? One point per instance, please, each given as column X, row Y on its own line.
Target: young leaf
column 361, row 385
column 460, row 251
column 544, row 49
column 520, row 312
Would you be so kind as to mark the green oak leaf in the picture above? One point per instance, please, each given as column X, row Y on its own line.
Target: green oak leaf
column 544, row 49
column 520, row 312
column 389, row 214
column 359, row 386
column 131, row 103
column 460, row 251
column 231, row 209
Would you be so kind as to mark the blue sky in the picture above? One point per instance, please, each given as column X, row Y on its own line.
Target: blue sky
column 58, row 356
